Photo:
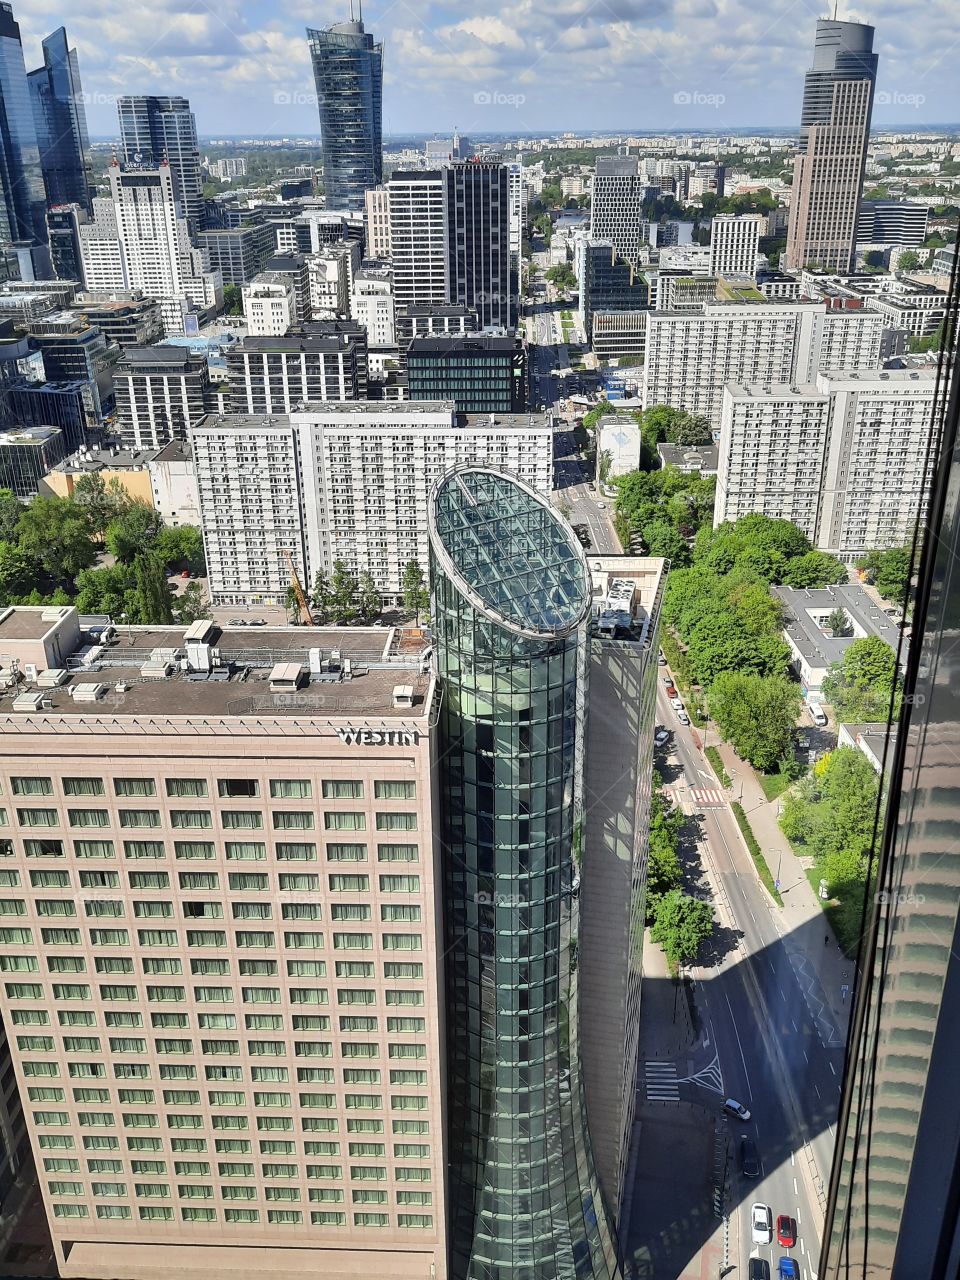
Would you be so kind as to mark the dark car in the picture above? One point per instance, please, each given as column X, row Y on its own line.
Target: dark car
column 786, row 1231
column 750, row 1163
column 758, row 1269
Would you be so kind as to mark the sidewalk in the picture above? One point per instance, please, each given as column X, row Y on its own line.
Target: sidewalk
column 801, row 918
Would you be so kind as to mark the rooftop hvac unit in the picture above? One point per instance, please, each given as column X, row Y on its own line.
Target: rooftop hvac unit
column 199, row 656
column 33, row 701
column 88, row 692
column 52, row 677
column 30, row 672
column 156, row 669
column 403, row 695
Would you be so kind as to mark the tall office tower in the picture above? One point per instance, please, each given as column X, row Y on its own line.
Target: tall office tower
column 63, row 233
column 418, row 237
column 319, row 361
column 162, row 392
column 227, row 965
column 137, row 239
column 348, row 71
column 834, row 130
column 895, row 1185
column 691, row 357
column 606, row 282
column 343, row 481
column 23, row 230
column 892, row 222
column 735, row 243
column 61, row 123
column 158, row 130
column 376, row 222
column 511, row 595
column 517, row 197
column 844, row 458
column 480, row 273
column 616, row 210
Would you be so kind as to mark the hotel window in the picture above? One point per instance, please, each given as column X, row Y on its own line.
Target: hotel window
column 139, row 787
column 31, row 786
column 183, row 788
column 347, row 852
column 398, row 853
column 94, row 849
column 240, row 820
column 82, row 786
column 290, row 789
column 87, row 817
column 296, row 852
column 186, row 819
column 49, row 818
column 343, row 821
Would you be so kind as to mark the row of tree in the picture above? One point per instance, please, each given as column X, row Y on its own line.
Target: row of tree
column 680, row 924
column 343, row 597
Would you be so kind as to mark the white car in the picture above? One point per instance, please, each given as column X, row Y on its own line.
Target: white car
column 761, row 1223
column 661, row 736
column 683, row 717
column 601, row 506
column 677, row 704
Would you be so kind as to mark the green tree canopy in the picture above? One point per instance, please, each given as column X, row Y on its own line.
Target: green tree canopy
column 55, row 533
column 232, row 300
column 181, row 546
column 889, row 571
column 860, row 685
column 192, row 605
column 101, row 501
column 18, row 573
column 416, row 595
column 908, row 260
column 133, row 532
column 756, row 714
column 562, row 276
column 11, row 509
column 343, row 593
column 681, row 927
column 369, row 603
column 814, row 569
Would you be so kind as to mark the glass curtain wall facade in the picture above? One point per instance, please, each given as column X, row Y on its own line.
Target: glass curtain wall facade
column 61, row 123
column 511, row 596
column 348, row 70
column 23, row 203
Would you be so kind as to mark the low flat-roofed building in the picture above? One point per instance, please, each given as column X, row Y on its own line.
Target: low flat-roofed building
column 813, row 647
column 877, row 741
column 690, row 457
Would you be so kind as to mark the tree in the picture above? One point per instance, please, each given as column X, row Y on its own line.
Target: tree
column 110, row 590
column 662, row 539
column 814, row 569
column 599, row 410
column 232, row 300
column 889, row 571
column 181, row 546
column 562, row 276
column 839, row 623
column 681, row 926
column 134, row 531
column 343, row 592
column 11, row 509
column 860, row 685
column 100, row 501
column 756, row 714
column 416, row 596
column 370, row 602
column 55, row 533
column 908, row 261
column 153, row 594
column 193, row 604
column 17, row 573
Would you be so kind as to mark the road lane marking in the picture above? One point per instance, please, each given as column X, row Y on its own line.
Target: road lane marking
column 805, row 1058
column 817, row 1089
column 802, row 1249
column 739, row 1045
column 830, row 1065
column 792, row 1161
column 793, row 1024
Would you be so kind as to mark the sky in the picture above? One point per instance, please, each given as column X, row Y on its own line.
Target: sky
column 514, row 66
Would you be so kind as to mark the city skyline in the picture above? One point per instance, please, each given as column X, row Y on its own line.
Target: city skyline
column 682, row 64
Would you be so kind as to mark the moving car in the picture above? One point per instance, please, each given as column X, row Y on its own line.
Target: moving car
column 736, row 1109
column 750, row 1164
column 601, row 506
column 661, row 661
column 661, row 737
column 761, row 1223
column 786, row 1231
column 787, row 1269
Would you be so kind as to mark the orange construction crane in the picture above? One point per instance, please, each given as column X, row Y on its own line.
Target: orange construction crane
column 305, row 617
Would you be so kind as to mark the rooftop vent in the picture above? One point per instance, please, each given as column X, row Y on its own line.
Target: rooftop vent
column 33, row 701
column 52, row 677
column 403, row 695
column 285, row 677
column 88, row 692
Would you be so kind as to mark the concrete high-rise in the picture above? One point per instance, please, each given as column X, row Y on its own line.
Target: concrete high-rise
column 61, row 122
column 481, row 272
column 163, row 130
column 23, row 228
column 417, row 237
column 348, row 71
column 834, row 130
column 735, row 243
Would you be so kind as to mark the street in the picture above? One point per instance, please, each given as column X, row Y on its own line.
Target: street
column 571, row 481
column 767, row 1035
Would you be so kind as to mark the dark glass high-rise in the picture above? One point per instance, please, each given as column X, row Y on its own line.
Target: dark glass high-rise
column 348, row 71
column 23, row 231
column 156, row 128
column 511, row 598
column 61, row 124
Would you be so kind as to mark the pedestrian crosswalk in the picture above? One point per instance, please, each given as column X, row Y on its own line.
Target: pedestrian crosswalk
column 706, row 797
column 661, row 1080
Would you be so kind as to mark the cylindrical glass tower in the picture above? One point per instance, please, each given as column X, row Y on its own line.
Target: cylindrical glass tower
column 511, row 595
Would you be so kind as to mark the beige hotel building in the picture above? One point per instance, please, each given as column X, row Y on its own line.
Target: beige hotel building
column 219, row 913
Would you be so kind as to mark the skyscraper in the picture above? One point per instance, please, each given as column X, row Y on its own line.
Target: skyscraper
column 616, row 210
column 480, row 272
column 511, row 596
column 154, row 130
column 23, row 230
column 895, row 1187
column 834, row 128
column 348, row 71
column 61, row 123
column 417, row 235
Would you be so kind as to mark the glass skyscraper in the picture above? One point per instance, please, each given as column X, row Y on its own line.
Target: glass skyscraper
column 61, row 124
column 512, row 595
column 23, row 231
column 154, row 128
column 894, row 1205
column 348, row 70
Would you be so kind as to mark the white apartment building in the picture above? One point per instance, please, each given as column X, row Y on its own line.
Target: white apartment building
column 372, row 305
column 735, row 243
column 376, row 222
column 342, row 481
column 844, row 457
column 418, row 238
column 222, row 959
column 138, row 240
column 269, row 305
column 331, row 272
column 691, row 357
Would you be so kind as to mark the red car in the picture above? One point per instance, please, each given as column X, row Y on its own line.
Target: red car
column 786, row 1231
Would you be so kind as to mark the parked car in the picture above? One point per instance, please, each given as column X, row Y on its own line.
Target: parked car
column 185, row 574
column 677, row 704
column 683, row 717
column 736, row 1109
column 749, row 1160
column 786, row 1231
column 668, row 681
column 661, row 661
column 237, row 622
column 788, row 1269
column 601, row 506
column 257, row 622
column 761, row 1223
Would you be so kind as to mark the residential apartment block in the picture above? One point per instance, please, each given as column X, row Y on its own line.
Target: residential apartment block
column 418, row 237
column 161, row 393
column 319, row 361
column 341, row 481
column 222, row 977
column 690, row 357
column 735, row 243
column 845, row 458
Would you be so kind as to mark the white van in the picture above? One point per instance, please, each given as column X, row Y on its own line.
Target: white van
column 817, row 714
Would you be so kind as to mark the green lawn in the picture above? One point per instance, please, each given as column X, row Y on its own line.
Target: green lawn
column 713, row 755
column 849, row 941
column 774, row 784
column 756, row 853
